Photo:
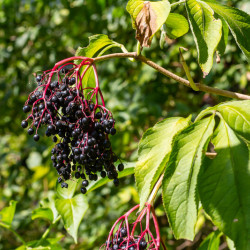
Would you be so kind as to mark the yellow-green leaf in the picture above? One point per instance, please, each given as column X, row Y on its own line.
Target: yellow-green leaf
column 147, row 18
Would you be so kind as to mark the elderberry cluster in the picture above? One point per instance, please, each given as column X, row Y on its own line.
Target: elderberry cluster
column 122, row 241
column 78, row 125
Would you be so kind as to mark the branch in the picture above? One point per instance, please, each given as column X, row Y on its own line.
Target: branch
column 173, row 76
column 13, row 231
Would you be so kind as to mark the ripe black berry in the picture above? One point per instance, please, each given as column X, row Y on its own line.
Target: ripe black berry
column 39, row 78
column 26, row 108
column 80, row 124
column 83, row 190
column 24, row 124
column 123, row 232
column 85, row 183
column 120, row 167
column 77, row 175
column 36, row 137
column 112, row 131
column 116, row 182
column 143, row 244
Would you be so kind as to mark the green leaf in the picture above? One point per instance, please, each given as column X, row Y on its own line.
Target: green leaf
column 176, row 25
column 96, row 43
column 235, row 113
column 224, row 185
column 237, row 116
column 230, row 244
column 154, row 150
column 206, row 30
column 147, row 18
column 128, row 170
column 72, row 211
column 7, row 213
column 49, row 202
column 180, row 180
column 211, row 242
column 238, row 22
column 67, row 193
column 44, row 213
column 224, row 38
column 46, row 244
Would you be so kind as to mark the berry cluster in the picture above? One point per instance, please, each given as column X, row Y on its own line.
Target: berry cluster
column 132, row 236
column 78, row 124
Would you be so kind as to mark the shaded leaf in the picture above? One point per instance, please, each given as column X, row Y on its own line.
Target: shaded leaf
column 211, row 242
column 72, row 211
column 238, row 22
column 180, row 180
column 7, row 213
column 224, row 38
column 147, row 18
column 206, row 30
column 224, row 185
column 154, row 149
column 176, row 25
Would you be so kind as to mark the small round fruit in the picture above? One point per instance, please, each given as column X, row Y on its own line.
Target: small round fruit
column 116, row 182
column 36, row 137
column 83, row 190
column 30, row 131
column 120, row 167
column 26, row 108
column 24, row 124
column 85, row 183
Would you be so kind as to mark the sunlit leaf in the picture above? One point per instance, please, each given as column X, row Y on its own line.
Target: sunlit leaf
column 207, row 31
column 147, row 18
column 176, row 25
column 180, row 180
column 7, row 213
column 154, row 149
column 238, row 22
column 72, row 211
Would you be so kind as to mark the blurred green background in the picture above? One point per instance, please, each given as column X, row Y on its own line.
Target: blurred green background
column 34, row 35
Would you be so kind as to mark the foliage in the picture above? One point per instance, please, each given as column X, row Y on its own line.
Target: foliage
column 39, row 33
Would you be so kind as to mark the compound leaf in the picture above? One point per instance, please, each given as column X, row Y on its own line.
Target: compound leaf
column 180, row 178
column 147, row 18
column 72, row 211
column 224, row 185
column 207, row 31
column 176, row 25
column 154, row 149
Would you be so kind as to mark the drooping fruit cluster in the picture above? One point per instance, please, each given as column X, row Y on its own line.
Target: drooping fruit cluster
column 78, row 124
column 132, row 236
